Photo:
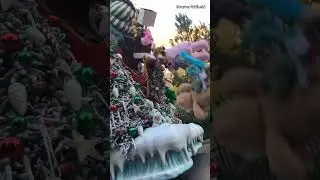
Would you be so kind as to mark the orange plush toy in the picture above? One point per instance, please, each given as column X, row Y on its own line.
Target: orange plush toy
column 193, row 101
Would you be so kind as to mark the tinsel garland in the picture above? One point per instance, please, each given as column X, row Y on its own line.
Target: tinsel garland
column 46, row 107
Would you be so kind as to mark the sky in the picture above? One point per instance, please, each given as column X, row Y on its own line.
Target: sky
column 164, row 28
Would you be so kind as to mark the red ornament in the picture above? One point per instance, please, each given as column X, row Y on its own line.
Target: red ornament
column 120, row 132
column 11, row 147
column 53, row 20
column 114, row 108
column 213, row 169
column 113, row 74
column 10, row 42
column 66, row 168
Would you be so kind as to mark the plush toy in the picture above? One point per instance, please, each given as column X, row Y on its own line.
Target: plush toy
column 197, row 49
column 253, row 124
column 143, row 46
column 122, row 17
column 147, row 38
column 189, row 100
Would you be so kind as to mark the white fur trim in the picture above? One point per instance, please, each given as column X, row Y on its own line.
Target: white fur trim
column 141, row 55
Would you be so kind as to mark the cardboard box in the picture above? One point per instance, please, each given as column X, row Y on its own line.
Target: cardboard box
column 146, row 17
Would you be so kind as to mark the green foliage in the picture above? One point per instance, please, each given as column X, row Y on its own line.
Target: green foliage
column 183, row 22
column 188, row 32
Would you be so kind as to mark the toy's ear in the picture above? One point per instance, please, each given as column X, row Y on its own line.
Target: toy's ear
column 184, row 87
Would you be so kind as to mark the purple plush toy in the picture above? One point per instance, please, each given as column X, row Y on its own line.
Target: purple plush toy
column 198, row 49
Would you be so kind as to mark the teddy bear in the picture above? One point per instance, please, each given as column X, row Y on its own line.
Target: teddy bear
column 253, row 124
column 190, row 100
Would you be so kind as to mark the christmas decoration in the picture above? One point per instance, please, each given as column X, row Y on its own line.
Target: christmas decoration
column 165, row 147
column 134, row 117
column 171, row 95
column 53, row 110
column 10, row 42
column 11, row 147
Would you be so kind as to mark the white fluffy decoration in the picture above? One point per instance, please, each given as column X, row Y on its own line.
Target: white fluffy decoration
column 162, row 152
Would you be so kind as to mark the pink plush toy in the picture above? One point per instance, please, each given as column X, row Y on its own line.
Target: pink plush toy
column 147, row 39
column 202, row 55
column 172, row 52
column 200, row 45
column 196, row 49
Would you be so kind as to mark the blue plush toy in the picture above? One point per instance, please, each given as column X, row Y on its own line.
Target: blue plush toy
column 287, row 9
column 275, row 29
column 196, row 70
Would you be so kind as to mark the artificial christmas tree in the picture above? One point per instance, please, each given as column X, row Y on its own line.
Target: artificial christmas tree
column 147, row 140
column 52, row 110
column 137, row 129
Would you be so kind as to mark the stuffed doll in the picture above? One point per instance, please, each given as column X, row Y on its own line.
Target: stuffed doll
column 122, row 17
column 197, row 49
column 142, row 48
column 189, row 100
column 253, row 124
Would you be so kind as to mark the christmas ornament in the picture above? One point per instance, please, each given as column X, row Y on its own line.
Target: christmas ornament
column 137, row 85
column 113, row 75
column 86, row 75
column 53, row 20
column 136, row 108
column 118, row 79
column 17, row 95
column 133, row 132
column 85, row 122
column 19, row 123
column 35, row 36
column 11, row 147
column 73, row 93
column 133, row 91
column 115, row 92
column 113, row 108
column 136, row 98
column 66, row 168
column 171, row 95
column 10, row 42
column 85, row 148
column 213, row 170
column 25, row 57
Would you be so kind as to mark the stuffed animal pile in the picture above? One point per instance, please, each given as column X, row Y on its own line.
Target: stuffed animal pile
column 193, row 96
